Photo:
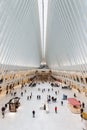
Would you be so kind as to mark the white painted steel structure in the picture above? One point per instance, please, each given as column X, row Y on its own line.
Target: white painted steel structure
column 65, row 43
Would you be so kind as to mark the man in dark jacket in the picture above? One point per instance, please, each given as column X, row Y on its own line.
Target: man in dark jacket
column 33, row 112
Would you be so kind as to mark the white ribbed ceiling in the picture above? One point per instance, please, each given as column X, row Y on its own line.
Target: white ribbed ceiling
column 66, row 33
column 66, row 45
column 20, row 40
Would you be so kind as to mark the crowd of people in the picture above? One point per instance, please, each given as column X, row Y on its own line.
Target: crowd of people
column 13, row 93
column 49, row 99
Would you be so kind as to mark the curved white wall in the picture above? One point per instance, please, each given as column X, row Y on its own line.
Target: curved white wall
column 20, row 42
column 66, row 42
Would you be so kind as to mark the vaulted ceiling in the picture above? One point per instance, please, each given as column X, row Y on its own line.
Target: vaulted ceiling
column 66, row 46
column 20, row 42
column 66, row 34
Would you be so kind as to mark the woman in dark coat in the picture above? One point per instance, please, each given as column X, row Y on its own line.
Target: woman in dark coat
column 33, row 112
column 3, row 111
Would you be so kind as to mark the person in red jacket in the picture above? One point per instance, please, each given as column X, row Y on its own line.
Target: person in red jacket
column 55, row 109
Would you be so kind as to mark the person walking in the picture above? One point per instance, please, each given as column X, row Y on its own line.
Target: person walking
column 3, row 112
column 83, row 105
column 33, row 112
column 44, row 106
column 55, row 109
column 61, row 103
column 27, row 97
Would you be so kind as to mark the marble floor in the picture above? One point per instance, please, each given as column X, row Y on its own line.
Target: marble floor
column 64, row 119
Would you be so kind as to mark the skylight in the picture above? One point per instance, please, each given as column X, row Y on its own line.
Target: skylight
column 43, row 7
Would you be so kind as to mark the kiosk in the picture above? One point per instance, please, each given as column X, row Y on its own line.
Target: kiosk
column 14, row 104
column 74, row 105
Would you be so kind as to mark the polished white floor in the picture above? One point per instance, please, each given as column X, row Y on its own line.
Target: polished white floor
column 22, row 119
